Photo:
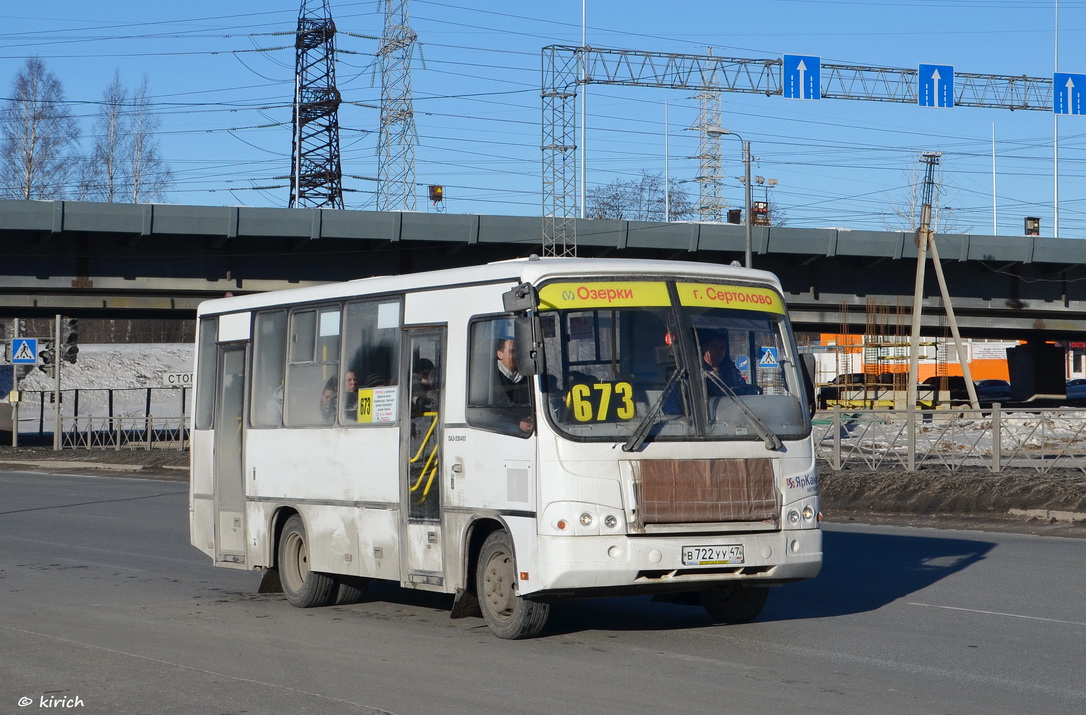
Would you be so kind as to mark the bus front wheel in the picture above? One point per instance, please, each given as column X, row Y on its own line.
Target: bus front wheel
column 734, row 603
column 302, row 587
column 506, row 614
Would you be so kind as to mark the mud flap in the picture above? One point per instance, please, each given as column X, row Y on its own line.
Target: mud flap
column 465, row 604
column 270, row 583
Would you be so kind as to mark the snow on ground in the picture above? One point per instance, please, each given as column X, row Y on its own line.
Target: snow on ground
column 112, row 380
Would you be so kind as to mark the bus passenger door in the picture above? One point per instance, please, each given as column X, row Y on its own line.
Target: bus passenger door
column 421, row 455
column 229, row 480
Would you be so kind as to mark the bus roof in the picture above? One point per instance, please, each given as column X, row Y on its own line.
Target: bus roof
column 530, row 270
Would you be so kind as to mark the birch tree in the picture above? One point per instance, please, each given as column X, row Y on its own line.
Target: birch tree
column 150, row 176
column 102, row 172
column 39, row 136
column 125, row 164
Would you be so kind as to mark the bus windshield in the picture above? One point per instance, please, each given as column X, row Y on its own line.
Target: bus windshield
column 670, row 360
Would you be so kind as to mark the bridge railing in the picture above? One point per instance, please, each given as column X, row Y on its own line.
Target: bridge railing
column 996, row 439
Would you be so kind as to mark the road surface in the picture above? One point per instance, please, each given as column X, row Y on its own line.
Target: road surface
column 106, row 608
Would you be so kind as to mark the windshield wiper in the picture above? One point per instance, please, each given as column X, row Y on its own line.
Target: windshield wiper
column 638, row 437
column 772, row 441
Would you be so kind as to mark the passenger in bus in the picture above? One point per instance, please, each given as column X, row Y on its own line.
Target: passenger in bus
column 423, row 387
column 329, row 400
column 350, row 396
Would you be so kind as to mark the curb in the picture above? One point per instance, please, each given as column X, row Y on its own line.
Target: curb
column 56, row 464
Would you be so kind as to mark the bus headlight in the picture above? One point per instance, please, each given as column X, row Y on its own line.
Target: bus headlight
column 610, row 521
column 793, row 516
column 808, row 513
column 586, row 519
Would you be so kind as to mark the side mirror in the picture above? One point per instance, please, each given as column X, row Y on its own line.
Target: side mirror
column 529, row 346
column 521, row 298
column 807, row 362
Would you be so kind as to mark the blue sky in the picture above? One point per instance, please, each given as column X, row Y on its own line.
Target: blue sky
column 221, row 76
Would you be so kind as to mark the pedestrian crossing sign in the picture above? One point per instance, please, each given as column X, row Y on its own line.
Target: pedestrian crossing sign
column 24, row 351
column 768, row 358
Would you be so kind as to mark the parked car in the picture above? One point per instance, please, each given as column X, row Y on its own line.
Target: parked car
column 840, row 386
column 989, row 391
column 953, row 384
column 1076, row 391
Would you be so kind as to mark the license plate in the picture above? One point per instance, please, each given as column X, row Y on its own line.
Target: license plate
column 727, row 555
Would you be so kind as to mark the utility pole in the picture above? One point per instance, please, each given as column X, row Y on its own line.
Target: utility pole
column 925, row 242
column 57, row 431
column 15, row 389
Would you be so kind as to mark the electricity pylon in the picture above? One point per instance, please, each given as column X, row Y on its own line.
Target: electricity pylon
column 316, row 177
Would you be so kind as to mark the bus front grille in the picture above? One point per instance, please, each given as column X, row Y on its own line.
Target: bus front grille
column 701, row 491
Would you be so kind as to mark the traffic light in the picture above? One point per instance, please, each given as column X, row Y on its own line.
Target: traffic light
column 68, row 349
column 47, row 357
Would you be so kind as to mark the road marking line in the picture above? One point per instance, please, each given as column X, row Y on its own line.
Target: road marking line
column 998, row 613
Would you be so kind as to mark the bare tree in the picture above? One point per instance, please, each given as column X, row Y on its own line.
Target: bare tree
column 39, row 136
column 640, row 199
column 102, row 173
column 149, row 174
column 125, row 164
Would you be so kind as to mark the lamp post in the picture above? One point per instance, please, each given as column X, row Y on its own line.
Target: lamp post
column 721, row 131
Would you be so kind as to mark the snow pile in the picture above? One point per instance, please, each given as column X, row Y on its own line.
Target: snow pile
column 117, row 365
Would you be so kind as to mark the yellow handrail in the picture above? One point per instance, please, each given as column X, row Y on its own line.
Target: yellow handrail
column 431, row 459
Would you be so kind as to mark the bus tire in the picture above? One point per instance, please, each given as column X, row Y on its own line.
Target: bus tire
column 302, row 587
column 506, row 614
column 734, row 603
column 351, row 589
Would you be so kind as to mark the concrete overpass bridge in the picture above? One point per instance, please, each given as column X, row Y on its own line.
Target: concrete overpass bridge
column 142, row 260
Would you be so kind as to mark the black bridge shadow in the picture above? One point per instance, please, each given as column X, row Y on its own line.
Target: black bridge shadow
column 860, row 572
column 865, row 571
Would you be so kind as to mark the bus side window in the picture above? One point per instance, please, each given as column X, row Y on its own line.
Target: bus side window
column 371, row 349
column 269, row 368
column 314, row 363
column 205, row 385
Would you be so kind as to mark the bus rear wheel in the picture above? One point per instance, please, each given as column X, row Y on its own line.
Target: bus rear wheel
column 303, row 588
column 734, row 603
column 506, row 614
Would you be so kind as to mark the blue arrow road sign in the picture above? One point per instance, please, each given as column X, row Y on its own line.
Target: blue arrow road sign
column 1067, row 93
column 801, row 77
column 936, row 86
column 24, row 351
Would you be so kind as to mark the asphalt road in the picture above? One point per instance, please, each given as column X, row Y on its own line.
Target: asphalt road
column 105, row 607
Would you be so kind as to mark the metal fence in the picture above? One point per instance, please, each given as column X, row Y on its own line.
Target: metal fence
column 1042, row 439
column 139, row 417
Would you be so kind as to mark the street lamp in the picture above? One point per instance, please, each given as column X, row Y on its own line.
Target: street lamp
column 721, row 131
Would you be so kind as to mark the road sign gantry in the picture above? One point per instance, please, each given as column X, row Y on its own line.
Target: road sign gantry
column 567, row 67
